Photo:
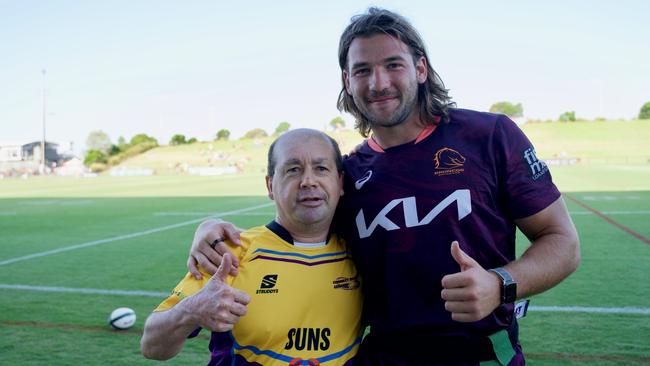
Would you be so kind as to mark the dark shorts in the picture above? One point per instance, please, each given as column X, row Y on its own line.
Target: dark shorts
column 401, row 350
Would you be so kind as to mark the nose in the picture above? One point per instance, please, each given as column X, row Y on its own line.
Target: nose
column 308, row 179
column 378, row 80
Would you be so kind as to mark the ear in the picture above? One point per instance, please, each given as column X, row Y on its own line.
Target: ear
column 346, row 81
column 421, row 70
column 341, row 180
column 269, row 186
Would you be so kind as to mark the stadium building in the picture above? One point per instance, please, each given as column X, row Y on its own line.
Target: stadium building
column 17, row 158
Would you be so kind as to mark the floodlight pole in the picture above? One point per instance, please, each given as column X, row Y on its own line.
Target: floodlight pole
column 43, row 140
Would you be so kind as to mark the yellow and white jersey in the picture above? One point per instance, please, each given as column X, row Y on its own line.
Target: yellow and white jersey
column 305, row 306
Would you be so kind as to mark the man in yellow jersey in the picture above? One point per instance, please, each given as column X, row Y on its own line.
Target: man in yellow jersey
column 295, row 299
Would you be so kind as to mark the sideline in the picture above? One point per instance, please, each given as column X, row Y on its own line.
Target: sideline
column 129, row 236
column 96, row 291
column 610, row 213
column 191, row 213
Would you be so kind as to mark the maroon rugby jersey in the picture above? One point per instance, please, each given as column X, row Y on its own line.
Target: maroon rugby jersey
column 465, row 180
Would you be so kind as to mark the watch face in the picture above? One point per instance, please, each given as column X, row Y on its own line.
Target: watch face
column 509, row 293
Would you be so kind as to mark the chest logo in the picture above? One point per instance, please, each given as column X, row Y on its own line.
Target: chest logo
column 448, row 161
column 268, row 284
column 366, row 177
column 461, row 197
column 346, row 283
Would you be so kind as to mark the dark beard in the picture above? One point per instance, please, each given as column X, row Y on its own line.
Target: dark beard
column 401, row 115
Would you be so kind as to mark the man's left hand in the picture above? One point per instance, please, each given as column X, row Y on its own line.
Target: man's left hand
column 473, row 293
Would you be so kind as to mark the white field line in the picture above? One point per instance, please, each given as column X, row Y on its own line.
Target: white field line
column 129, row 236
column 189, row 213
column 95, row 291
column 610, row 212
column 590, row 310
column 90, row 291
column 194, row 213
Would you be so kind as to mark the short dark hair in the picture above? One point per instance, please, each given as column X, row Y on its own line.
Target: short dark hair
column 434, row 100
column 338, row 159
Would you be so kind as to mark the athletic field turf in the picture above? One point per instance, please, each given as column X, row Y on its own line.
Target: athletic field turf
column 72, row 250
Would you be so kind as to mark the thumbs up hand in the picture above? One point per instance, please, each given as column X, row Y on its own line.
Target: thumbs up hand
column 217, row 306
column 473, row 293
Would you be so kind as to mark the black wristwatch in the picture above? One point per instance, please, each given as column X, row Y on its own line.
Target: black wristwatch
column 508, row 286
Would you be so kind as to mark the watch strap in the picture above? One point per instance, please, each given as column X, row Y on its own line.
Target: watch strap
column 505, row 276
column 508, row 285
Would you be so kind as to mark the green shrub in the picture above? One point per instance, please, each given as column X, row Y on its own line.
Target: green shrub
column 507, row 108
column 644, row 113
column 94, row 156
column 97, row 167
column 568, row 116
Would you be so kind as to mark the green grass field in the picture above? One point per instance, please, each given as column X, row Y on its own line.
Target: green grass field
column 72, row 250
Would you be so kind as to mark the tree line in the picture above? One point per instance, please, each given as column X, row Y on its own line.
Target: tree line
column 101, row 153
column 517, row 110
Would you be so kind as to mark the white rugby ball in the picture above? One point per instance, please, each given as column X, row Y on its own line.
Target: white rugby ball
column 122, row 318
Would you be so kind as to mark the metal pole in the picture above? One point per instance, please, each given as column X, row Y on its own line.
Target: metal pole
column 43, row 140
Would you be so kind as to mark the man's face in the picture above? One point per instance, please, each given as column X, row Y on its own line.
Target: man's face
column 306, row 185
column 383, row 80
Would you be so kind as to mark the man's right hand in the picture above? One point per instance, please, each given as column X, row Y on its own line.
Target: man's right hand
column 208, row 257
column 217, row 306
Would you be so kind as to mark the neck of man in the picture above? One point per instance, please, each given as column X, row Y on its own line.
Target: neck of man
column 407, row 131
column 313, row 233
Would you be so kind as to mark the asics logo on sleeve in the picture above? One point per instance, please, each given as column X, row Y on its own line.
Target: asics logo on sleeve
column 366, row 177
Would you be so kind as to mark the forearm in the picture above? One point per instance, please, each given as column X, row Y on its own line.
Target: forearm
column 554, row 252
column 165, row 333
column 549, row 260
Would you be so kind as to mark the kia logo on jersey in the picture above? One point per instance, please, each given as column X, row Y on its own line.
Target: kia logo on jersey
column 462, row 197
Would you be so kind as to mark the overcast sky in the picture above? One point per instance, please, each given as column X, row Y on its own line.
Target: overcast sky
column 194, row 67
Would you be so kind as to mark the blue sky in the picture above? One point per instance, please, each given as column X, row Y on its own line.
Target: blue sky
column 194, row 67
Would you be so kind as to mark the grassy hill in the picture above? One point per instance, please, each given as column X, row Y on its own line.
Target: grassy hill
column 246, row 155
column 608, row 142
column 601, row 141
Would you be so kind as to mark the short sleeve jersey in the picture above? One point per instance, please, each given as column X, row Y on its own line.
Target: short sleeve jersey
column 467, row 179
column 305, row 303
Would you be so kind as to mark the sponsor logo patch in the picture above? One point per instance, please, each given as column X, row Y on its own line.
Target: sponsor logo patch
column 346, row 283
column 310, row 339
column 448, row 161
column 268, row 284
column 366, row 177
column 537, row 167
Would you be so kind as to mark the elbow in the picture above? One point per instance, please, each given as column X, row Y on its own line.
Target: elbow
column 152, row 353
column 152, row 348
column 147, row 349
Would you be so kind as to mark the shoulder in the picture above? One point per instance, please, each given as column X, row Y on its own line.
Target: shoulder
column 255, row 232
column 250, row 239
column 483, row 124
column 254, row 235
column 475, row 118
column 336, row 241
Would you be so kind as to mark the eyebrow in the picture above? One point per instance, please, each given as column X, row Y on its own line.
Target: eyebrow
column 299, row 162
column 386, row 60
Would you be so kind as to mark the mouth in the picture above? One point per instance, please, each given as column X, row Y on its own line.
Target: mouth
column 311, row 201
column 381, row 100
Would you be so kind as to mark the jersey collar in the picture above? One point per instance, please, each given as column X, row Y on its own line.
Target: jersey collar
column 421, row 136
column 284, row 234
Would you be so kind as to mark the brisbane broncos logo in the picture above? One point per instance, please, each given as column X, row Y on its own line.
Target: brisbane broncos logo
column 448, row 161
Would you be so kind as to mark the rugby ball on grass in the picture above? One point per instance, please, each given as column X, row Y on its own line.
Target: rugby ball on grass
column 122, row 318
